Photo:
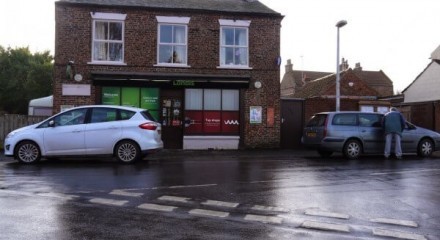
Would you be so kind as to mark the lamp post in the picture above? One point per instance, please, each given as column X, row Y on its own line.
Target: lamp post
column 338, row 91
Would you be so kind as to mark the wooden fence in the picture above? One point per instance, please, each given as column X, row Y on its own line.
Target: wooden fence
column 10, row 122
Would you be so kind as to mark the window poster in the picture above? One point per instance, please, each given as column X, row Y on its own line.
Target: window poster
column 130, row 96
column 255, row 114
column 212, row 122
column 150, row 101
column 111, row 95
column 231, row 122
column 193, row 122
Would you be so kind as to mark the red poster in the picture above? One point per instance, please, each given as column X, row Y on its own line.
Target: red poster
column 270, row 116
column 212, row 122
column 193, row 122
column 231, row 122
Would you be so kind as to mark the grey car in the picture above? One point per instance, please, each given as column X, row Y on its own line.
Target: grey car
column 355, row 133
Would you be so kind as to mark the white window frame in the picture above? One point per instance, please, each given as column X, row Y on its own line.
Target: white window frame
column 108, row 17
column 236, row 24
column 172, row 21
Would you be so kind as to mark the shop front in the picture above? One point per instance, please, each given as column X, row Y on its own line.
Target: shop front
column 196, row 111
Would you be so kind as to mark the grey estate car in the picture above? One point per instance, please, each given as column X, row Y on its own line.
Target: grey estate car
column 355, row 133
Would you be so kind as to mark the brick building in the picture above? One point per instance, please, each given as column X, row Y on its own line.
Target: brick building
column 208, row 70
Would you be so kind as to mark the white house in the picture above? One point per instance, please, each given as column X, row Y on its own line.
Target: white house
column 426, row 86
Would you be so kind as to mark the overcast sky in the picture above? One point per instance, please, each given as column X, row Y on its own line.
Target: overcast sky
column 395, row 36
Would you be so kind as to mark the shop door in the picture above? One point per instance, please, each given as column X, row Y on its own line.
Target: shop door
column 171, row 118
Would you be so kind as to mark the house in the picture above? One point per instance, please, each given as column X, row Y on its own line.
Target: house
column 293, row 80
column 422, row 98
column 207, row 70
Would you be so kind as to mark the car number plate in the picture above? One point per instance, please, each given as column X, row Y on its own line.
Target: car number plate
column 311, row 134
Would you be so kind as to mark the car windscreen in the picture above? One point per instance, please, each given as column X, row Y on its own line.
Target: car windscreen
column 147, row 115
column 317, row 120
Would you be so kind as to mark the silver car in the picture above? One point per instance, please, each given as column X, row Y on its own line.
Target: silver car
column 124, row 132
column 355, row 133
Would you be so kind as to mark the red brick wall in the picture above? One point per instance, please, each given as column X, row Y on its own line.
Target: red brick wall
column 73, row 42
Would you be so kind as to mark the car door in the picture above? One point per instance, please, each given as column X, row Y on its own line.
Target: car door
column 65, row 135
column 103, row 131
column 371, row 132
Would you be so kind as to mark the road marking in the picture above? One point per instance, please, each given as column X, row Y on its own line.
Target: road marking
column 209, row 213
column 326, row 214
column 396, row 234
column 409, row 171
column 220, row 204
column 325, row 226
column 156, row 207
column 58, row 195
column 406, row 223
column 263, row 219
column 270, row 209
column 185, row 186
column 126, row 194
column 174, row 199
column 107, row 201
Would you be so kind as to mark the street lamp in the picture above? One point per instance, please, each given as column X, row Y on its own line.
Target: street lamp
column 338, row 92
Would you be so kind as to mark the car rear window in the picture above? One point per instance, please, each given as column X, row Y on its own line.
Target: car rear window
column 125, row 114
column 147, row 115
column 317, row 120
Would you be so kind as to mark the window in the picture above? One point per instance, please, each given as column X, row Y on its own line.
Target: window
column 234, row 43
column 172, row 41
column 370, row 120
column 103, row 115
column 212, row 111
column 108, row 38
column 345, row 119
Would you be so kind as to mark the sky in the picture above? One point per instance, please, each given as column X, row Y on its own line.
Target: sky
column 395, row 36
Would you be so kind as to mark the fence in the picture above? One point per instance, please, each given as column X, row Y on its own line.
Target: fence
column 10, row 122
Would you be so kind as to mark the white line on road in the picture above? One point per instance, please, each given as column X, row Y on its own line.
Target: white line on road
column 220, row 204
column 126, row 194
column 174, row 199
column 396, row 234
column 209, row 213
column 107, row 201
column 270, row 209
column 409, row 171
column 263, row 219
column 58, row 195
column 326, row 214
column 325, row 226
column 185, row 186
column 406, row 223
column 156, row 207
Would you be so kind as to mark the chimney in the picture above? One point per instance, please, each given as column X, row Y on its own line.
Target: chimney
column 289, row 66
column 344, row 65
column 358, row 67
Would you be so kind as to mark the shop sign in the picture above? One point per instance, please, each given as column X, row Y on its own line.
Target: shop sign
column 184, row 83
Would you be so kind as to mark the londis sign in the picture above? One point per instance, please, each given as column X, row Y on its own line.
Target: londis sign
column 184, row 83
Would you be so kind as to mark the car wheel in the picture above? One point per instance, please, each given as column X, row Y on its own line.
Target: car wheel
column 425, row 148
column 27, row 152
column 352, row 149
column 323, row 153
column 127, row 152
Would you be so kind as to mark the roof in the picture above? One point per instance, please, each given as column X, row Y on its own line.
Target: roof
column 42, row 102
column 309, row 75
column 234, row 6
column 436, row 54
column 317, row 87
column 374, row 78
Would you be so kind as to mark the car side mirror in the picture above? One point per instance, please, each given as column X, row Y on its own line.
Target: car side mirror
column 51, row 123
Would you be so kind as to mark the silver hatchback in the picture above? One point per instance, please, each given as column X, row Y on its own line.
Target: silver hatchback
column 355, row 133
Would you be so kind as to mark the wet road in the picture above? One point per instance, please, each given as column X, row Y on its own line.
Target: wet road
column 222, row 195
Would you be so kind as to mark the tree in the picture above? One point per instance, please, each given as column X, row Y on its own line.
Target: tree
column 23, row 76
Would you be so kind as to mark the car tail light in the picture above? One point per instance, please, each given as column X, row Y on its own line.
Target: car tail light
column 148, row 126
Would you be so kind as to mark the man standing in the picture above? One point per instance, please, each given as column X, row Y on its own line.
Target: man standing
column 393, row 124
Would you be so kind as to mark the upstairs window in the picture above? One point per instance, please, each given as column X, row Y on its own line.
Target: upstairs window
column 172, row 41
column 234, row 43
column 108, row 38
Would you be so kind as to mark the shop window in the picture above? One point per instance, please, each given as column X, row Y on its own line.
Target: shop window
column 212, row 111
column 108, row 38
column 146, row 98
column 234, row 43
column 172, row 41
